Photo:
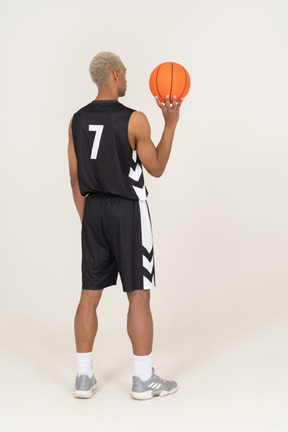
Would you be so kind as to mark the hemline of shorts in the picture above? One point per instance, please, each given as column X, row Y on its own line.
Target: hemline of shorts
column 97, row 288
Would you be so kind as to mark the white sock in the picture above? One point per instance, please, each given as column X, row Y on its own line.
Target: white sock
column 143, row 366
column 84, row 361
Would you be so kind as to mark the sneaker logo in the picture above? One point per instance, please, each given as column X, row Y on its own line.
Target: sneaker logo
column 154, row 385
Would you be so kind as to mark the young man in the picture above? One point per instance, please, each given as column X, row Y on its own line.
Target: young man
column 108, row 143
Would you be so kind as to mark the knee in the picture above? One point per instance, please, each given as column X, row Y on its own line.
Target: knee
column 139, row 296
column 90, row 298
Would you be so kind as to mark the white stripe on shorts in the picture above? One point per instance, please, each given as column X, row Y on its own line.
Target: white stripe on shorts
column 147, row 242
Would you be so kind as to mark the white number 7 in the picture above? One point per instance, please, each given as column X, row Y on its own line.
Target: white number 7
column 98, row 129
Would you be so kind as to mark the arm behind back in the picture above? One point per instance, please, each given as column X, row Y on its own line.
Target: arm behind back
column 78, row 198
column 72, row 156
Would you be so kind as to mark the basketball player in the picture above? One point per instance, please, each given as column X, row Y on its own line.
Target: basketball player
column 108, row 143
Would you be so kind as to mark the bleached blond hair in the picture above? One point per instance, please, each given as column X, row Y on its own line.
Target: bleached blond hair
column 102, row 65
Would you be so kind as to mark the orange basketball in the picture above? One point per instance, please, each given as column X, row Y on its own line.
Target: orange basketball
column 169, row 79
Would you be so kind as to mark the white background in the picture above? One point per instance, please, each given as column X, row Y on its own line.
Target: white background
column 219, row 216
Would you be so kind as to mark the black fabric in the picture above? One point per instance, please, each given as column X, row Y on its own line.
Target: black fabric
column 106, row 122
column 112, row 243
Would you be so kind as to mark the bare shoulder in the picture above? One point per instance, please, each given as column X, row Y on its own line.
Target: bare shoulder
column 139, row 117
column 138, row 122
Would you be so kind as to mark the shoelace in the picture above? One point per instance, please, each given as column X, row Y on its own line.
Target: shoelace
column 161, row 379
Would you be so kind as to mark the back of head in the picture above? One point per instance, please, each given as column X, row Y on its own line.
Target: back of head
column 102, row 65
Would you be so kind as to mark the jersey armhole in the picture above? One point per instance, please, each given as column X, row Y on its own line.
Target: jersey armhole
column 132, row 111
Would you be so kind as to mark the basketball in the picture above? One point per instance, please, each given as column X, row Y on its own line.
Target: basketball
column 171, row 79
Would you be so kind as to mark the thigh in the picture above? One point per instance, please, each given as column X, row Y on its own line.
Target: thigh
column 129, row 230
column 99, row 268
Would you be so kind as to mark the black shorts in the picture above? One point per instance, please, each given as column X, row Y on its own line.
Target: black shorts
column 116, row 237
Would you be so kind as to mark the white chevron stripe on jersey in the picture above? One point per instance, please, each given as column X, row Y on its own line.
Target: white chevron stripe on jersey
column 134, row 155
column 135, row 174
column 148, row 264
column 141, row 192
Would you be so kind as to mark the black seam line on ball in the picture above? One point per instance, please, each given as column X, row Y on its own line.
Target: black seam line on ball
column 157, row 83
column 171, row 81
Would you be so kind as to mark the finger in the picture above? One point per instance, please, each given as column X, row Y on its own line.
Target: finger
column 174, row 101
column 180, row 103
column 158, row 102
column 167, row 103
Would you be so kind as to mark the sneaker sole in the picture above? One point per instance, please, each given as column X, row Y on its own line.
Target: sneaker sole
column 85, row 394
column 150, row 394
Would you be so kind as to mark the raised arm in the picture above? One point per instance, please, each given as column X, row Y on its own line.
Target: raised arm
column 154, row 159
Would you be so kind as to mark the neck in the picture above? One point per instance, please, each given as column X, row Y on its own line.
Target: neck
column 106, row 93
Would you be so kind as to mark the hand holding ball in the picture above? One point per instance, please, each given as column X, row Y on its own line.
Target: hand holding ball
column 169, row 79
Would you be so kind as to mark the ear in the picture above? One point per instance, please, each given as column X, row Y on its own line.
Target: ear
column 115, row 74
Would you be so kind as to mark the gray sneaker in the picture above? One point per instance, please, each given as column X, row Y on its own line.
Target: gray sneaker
column 84, row 386
column 154, row 386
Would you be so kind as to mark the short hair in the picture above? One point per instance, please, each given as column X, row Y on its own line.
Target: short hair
column 102, row 65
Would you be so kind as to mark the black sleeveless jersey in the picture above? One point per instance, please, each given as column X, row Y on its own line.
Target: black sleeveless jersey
column 105, row 160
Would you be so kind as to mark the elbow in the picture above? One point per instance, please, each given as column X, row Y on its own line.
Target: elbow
column 156, row 170
column 158, row 174
column 155, row 173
